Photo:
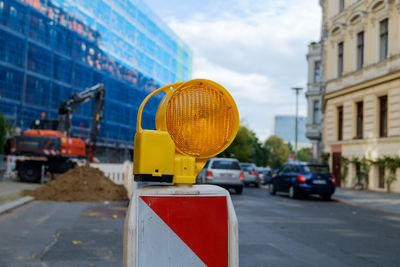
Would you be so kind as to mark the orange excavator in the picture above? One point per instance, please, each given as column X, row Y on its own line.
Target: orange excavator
column 49, row 146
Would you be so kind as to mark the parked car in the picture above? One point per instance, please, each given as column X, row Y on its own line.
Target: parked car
column 224, row 172
column 250, row 174
column 267, row 173
column 262, row 176
column 300, row 178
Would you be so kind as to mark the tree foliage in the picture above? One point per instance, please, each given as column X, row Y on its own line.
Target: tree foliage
column 246, row 148
column 277, row 151
column 392, row 164
column 304, row 154
column 387, row 162
column 5, row 128
column 241, row 147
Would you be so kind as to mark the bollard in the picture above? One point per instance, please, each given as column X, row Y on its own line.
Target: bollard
column 181, row 225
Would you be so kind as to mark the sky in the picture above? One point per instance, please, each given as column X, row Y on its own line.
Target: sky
column 255, row 49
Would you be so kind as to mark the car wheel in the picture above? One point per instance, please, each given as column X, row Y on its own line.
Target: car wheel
column 257, row 184
column 239, row 190
column 292, row 193
column 271, row 189
column 326, row 196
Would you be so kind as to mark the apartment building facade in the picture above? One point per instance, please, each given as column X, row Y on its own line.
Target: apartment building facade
column 314, row 97
column 361, row 105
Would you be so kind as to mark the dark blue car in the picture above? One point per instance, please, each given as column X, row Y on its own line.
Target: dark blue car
column 301, row 178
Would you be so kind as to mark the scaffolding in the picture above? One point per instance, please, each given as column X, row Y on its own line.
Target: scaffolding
column 47, row 54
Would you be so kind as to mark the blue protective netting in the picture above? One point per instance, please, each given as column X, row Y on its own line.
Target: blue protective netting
column 50, row 50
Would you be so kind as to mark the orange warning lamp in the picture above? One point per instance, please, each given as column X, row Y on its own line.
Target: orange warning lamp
column 195, row 121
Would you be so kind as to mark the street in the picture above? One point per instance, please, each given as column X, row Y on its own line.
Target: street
column 278, row 231
column 43, row 234
column 273, row 231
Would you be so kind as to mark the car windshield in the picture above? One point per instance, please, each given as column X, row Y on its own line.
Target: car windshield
column 247, row 167
column 225, row 165
column 321, row 169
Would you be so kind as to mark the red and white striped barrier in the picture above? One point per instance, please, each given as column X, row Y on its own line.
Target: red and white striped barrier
column 7, row 166
column 181, row 226
column 51, row 152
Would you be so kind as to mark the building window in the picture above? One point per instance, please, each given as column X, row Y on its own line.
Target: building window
column 381, row 177
column 360, row 50
column 384, row 36
column 317, row 71
column 316, row 112
column 340, row 123
column 360, row 119
column 341, row 5
column 340, row 59
column 383, row 116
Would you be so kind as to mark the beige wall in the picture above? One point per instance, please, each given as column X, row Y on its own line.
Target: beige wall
column 375, row 79
column 344, row 27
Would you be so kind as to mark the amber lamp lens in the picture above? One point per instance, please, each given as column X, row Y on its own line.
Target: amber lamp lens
column 202, row 119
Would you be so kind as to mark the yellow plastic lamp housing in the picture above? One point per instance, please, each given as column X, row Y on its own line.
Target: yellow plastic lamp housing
column 201, row 119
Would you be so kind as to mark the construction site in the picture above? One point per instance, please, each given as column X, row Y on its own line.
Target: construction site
column 72, row 77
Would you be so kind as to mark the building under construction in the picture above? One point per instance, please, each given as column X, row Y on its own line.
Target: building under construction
column 52, row 49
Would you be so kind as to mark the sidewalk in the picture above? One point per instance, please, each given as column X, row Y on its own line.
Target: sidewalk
column 10, row 187
column 10, row 196
column 375, row 200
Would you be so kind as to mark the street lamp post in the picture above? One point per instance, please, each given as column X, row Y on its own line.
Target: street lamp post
column 297, row 90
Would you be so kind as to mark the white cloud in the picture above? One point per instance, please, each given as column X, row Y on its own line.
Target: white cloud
column 255, row 49
column 251, row 87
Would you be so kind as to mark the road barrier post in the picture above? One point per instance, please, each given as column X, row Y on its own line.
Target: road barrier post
column 182, row 224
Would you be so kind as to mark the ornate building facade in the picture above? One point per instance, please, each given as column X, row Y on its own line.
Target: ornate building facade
column 361, row 104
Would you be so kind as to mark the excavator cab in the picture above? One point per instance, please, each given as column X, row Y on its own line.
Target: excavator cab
column 44, row 124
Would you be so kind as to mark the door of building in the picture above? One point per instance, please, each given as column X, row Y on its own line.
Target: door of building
column 336, row 168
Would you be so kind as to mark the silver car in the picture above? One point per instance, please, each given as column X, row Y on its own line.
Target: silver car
column 224, row 172
column 250, row 174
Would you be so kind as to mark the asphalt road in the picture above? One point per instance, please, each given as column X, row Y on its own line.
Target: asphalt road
column 62, row 234
column 278, row 231
column 273, row 231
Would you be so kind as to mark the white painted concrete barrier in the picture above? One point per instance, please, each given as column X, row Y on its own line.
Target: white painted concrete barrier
column 128, row 178
column 181, row 225
column 115, row 172
column 121, row 174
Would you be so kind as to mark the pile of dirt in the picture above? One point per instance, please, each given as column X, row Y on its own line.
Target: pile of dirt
column 82, row 183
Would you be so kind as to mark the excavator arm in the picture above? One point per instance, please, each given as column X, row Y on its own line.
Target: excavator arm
column 68, row 107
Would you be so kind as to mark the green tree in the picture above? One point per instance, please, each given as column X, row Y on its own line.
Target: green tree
column 241, row 148
column 261, row 154
column 304, row 154
column 392, row 164
column 344, row 165
column 277, row 151
column 246, row 148
column 5, row 128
